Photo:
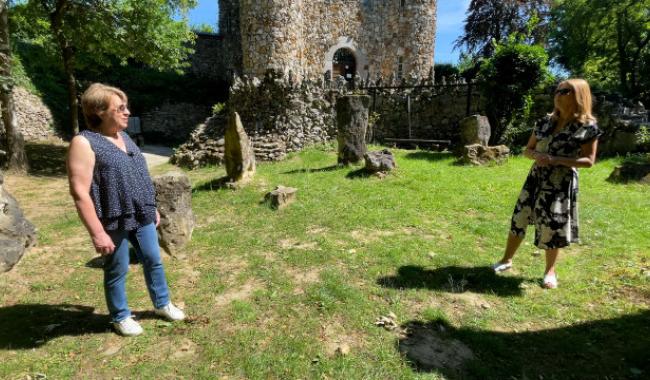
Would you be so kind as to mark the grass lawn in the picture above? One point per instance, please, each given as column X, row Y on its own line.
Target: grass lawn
column 295, row 293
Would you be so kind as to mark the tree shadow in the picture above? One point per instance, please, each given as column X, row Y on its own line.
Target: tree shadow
column 614, row 348
column 26, row 326
column 454, row 279
column 46, row 159
column 430, row 156
column 330, row 168
column 215, row 184
column 359, row 173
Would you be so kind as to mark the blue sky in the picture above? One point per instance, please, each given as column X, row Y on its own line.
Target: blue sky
column 451, row 14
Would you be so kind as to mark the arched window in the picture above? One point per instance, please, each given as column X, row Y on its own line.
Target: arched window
column 344, row 64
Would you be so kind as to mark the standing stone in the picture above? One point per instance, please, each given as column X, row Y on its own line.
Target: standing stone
column 380, row 161
column 475, row 129
column 352, row 122
column 17, row 234
column 239, row 155
column 174, row 200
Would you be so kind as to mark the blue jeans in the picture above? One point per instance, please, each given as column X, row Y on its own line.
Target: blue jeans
column 116, row 266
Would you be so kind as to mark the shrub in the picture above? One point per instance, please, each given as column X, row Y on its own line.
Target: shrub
column 508, row 80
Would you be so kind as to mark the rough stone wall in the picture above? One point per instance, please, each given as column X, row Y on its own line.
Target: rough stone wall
column 173, row 122
column 279, row 116
column 33, row 117
column 434, row 112
column 282, row 116
column 302, row 35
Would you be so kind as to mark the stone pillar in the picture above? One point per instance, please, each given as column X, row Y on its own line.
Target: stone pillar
column 475, row 129
column 174, row 200
column 352, row 122
column 239, row 155
column 17, row 234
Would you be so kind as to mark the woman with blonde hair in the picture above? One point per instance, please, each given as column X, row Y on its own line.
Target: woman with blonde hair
column 567, row 140
column 115, row 199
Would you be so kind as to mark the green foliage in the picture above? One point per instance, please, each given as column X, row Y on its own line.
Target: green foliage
column 643, row 138
column 204, row 28
column 605, row 41
column 218, row 108
column 90, row 37
column 445, row 70
column 490, row 21
column 508, row 80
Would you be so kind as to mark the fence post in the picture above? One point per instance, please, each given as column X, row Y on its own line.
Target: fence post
column 469, row 98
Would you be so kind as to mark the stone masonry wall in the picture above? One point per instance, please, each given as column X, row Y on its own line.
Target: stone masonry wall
column 434, row 112
column 302, row 35
column 33, row 117
column 173, row 122
column 278, row 115
column 281, row 116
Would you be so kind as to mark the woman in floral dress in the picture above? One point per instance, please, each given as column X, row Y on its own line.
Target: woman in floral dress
column 567, row 140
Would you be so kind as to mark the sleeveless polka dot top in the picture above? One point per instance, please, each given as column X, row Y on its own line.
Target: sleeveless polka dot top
column 121, row 189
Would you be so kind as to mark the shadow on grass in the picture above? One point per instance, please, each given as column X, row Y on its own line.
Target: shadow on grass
column 26, row 326
column 454, row 279
column 429, row 156
column 215, row 184
column 614, row 348
column 46, row 159
column 359, row 173
column 32, row 325
column 330, row 168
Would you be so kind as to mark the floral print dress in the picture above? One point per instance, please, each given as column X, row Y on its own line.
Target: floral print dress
column 549, row 197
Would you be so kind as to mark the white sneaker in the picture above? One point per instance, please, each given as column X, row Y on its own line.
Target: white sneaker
column 128, row 327
column 500, row 267
column 171, row 312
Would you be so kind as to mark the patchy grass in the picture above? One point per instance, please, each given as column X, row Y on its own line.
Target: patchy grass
column 295, row 293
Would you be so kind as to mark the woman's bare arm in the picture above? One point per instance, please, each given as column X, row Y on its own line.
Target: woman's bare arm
column 80, row 163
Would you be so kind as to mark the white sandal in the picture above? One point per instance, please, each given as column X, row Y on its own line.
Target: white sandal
column 550, row 281
column 500, row 267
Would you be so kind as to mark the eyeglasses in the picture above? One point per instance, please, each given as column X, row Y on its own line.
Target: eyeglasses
column 122, row 108
column 563, row 91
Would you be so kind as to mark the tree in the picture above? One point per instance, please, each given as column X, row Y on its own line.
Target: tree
column 605, row 41
column 495, row 20
column 101, row 32
column 13, row 138
column 508, row 79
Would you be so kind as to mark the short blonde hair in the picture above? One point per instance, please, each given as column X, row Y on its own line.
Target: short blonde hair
column 95, row 100
column 582, row 95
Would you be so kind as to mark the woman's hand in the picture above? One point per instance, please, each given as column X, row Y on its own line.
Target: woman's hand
column 157, row 218
column 543, row 159
column 103, row 244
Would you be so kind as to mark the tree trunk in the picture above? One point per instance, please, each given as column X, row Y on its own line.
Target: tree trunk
column 623, row 62
column 68, row 65
column 67, row 53
column 14, row 143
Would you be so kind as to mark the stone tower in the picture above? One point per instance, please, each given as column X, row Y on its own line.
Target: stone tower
column 339, row 37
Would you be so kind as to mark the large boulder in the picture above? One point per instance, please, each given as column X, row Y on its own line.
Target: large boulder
column 352, row 123
column 17, row 234
column 174, row 200
column 380, row 161
column 477, row 154
column 239, row 156
column 475, row 129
